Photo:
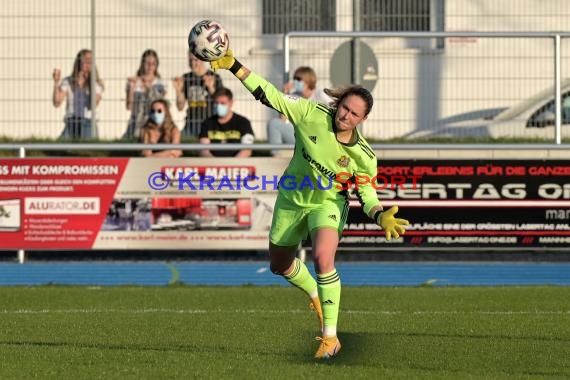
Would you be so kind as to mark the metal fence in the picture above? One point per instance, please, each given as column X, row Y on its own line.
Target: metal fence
column 423, row 87
column 500, row 97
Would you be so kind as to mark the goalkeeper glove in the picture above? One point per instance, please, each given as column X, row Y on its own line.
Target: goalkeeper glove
column 391, row 226
column 227, row 62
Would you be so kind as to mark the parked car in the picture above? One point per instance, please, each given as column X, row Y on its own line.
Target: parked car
column 532, row 118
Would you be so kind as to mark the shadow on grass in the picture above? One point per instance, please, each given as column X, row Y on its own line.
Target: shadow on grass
column 105, row 346
column 479, row 337
column 393, row 351
column 378, row 351
column 213, row 349
column 356, row 350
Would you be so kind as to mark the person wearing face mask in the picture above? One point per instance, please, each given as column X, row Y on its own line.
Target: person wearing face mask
column 225, row 126
column 304, row 84
column 160, row 128
column 141, row 90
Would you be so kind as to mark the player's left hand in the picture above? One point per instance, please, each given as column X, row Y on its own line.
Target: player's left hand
column 226, row 62
column 393, row 227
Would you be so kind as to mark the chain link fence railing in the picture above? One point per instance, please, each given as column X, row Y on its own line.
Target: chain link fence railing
column 422, row 87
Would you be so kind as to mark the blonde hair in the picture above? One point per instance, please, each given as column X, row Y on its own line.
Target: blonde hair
column 147, row 53
column 308, row 75
column 77, row 70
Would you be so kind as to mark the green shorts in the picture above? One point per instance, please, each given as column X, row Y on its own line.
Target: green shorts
column 292, row 224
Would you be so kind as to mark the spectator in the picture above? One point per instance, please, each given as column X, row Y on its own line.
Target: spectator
column 279, row 130
column 76, row 89
column 142, row 89
column 196, row 88
column 225, row 126
column 160, row 128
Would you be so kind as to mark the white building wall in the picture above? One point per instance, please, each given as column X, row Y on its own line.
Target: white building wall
column 418, row 86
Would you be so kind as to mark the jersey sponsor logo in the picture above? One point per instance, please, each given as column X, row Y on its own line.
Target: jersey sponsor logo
column 317, row 165
column 313, row 139
column 343, row 161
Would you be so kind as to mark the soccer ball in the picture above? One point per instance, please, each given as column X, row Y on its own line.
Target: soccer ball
column 208, row 40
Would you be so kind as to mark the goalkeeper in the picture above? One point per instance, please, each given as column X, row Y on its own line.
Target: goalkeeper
column 326, row 142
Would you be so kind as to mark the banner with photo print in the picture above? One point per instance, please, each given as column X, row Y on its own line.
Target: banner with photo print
column 227, row 204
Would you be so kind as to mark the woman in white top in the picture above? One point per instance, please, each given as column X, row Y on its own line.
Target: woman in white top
column 142, row 89
column 76, row 89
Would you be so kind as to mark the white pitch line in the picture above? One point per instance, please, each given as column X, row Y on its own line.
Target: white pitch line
column 293, row 311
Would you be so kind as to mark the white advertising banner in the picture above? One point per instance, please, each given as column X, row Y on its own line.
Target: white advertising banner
column 194, row 204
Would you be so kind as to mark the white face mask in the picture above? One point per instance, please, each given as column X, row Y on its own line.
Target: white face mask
column 299, row 86
column 221, row 109
column 157, row 118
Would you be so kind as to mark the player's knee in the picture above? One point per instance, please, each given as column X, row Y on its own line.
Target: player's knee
column 323, row 261
column 278, row 268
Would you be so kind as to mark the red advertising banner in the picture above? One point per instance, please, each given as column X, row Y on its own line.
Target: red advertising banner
column 227, row 203
column 137, row 203
column 55, row 203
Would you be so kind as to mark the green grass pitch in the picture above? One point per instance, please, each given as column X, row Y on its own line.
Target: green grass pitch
column 186, row 332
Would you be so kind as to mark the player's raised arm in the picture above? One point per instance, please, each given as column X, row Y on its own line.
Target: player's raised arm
column 294, row 108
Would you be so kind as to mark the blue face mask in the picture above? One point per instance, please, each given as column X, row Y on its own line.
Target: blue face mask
column 299, row 86
column 221, row 109
column 157, row 118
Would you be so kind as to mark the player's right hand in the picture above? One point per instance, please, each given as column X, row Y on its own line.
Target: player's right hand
column 393, row 227
column 226, row 62
column 56, row 75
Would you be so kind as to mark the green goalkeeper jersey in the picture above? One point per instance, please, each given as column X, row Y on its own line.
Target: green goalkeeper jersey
column 319, row 157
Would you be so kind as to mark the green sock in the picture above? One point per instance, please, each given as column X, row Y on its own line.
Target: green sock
column 301, row 278
column 328, row 285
